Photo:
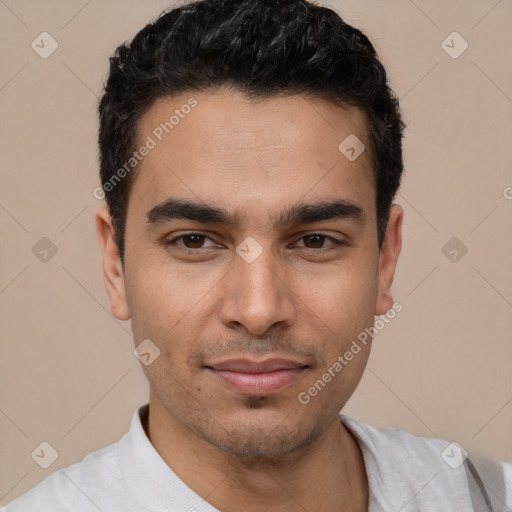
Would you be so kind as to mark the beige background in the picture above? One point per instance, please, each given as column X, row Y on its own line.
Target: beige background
column 441, row 368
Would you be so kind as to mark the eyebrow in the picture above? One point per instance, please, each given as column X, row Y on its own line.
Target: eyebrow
column 301, row 213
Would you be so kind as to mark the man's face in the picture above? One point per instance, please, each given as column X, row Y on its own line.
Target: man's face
column 247, row 315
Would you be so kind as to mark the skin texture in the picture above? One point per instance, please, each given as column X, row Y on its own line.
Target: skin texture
column 302, row 298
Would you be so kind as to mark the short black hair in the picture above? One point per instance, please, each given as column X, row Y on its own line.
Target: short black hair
column 261, row 48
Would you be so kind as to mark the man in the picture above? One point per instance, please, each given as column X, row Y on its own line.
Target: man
column 250, row 152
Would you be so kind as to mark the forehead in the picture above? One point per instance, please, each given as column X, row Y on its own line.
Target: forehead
column 219, row 146
column 228, row 117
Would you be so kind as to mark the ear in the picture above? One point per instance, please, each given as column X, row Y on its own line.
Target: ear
column 390, row 250
column 112, row 268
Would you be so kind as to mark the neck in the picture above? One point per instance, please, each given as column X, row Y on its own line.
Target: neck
column 328, row 475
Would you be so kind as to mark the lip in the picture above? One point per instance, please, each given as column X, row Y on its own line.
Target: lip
column 257, row 378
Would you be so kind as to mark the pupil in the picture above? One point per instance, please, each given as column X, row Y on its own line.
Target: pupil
column 198, row 242
column 319, row 238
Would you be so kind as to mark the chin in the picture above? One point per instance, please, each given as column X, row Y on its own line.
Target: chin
column 260, row 435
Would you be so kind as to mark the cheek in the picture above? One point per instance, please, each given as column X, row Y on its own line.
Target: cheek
column 346, row 298
column 170, row 305
column 344, row 309
column 167, row 293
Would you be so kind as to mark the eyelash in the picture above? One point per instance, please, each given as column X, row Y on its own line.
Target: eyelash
column 173, row 241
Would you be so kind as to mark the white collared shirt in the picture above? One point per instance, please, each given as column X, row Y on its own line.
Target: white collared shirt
column 405, row 472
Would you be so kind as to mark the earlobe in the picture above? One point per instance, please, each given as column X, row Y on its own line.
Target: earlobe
column 112, row 267
column 388, row 259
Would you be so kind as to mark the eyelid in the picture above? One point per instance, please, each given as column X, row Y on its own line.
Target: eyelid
column 174, row 239
column 334, row 240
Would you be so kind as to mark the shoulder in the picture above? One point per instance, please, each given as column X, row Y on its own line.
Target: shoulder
column 496, row 476
column 393, row 445
column 81, row 486
column 406, row 464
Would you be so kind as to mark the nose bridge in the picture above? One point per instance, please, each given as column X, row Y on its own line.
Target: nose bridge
column 258, row 296
column 258, row 275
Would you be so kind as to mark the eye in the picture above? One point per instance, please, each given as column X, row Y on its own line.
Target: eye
column 191, row 241
column 316, row 240
column 194, row 242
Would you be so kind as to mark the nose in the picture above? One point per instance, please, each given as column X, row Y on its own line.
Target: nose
column 257, row 295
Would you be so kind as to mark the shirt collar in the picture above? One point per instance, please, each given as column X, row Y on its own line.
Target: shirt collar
column 148, row 478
